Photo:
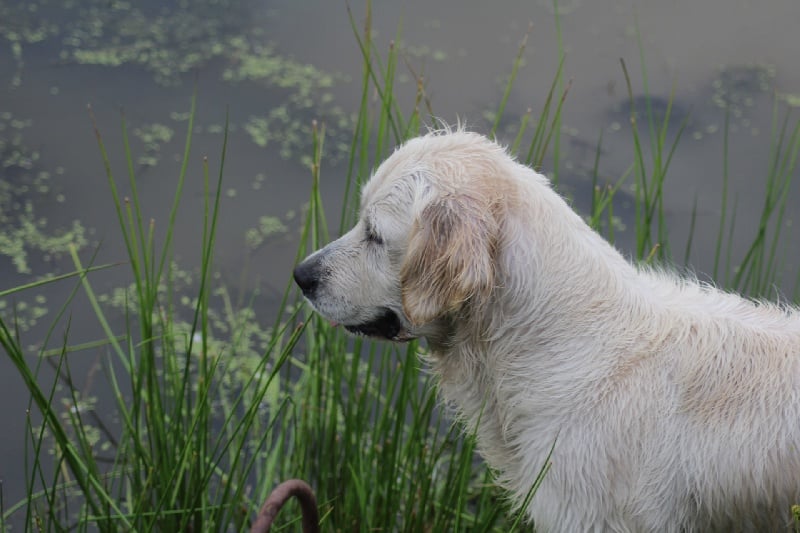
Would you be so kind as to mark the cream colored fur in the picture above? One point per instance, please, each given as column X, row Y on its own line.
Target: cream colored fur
column 673, row 406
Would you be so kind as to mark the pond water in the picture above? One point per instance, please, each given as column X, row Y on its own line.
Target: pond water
column 276, row 65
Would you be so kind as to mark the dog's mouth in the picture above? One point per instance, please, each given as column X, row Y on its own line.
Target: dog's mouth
column 387, row 325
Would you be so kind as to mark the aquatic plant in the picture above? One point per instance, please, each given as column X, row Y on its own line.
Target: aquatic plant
column 152, row 136
column 24, row 185
column 170, row 42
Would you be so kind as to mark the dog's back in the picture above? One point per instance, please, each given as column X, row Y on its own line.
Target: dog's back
column 672, row 405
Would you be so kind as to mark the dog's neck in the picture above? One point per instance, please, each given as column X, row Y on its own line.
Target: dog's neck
column 542, row 315
column 532, row 326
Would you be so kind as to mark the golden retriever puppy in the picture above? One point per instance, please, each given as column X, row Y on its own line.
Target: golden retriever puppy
column 671, row 405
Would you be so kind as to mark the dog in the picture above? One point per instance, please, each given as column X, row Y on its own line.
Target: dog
column 667, row 404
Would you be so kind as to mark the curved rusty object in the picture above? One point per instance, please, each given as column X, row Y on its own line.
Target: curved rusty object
column 279, row 496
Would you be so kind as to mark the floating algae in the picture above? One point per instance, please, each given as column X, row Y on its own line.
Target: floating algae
column 23, row 186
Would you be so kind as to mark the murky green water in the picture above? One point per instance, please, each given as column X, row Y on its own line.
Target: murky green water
column 276, row 65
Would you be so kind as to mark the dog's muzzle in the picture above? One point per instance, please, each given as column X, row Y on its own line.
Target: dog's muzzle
column 385, row 325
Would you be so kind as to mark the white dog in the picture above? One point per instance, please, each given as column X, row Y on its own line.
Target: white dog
column 673, row 406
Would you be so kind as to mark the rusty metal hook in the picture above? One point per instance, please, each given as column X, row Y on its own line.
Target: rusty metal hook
column 279, row 496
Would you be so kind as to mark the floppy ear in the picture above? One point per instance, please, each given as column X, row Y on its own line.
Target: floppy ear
column 450, row 259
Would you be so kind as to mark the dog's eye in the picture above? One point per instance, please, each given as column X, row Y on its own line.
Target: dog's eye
column 373, row 237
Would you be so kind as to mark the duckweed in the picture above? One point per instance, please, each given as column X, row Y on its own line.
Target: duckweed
column 23, row 186
column 267, row 226
column 180, row 37
column 792, row 100
column 26, row 313
column 153, row 136
column 736, row 87
column 235, row 333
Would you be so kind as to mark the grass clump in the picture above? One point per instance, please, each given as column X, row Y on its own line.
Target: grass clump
column 192, row 448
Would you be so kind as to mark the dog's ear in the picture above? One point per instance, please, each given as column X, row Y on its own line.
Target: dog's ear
column 450, row 259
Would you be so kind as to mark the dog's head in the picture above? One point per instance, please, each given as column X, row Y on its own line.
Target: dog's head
column 425, row 243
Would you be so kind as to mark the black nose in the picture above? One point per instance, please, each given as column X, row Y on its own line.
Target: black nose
column 306, row 276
